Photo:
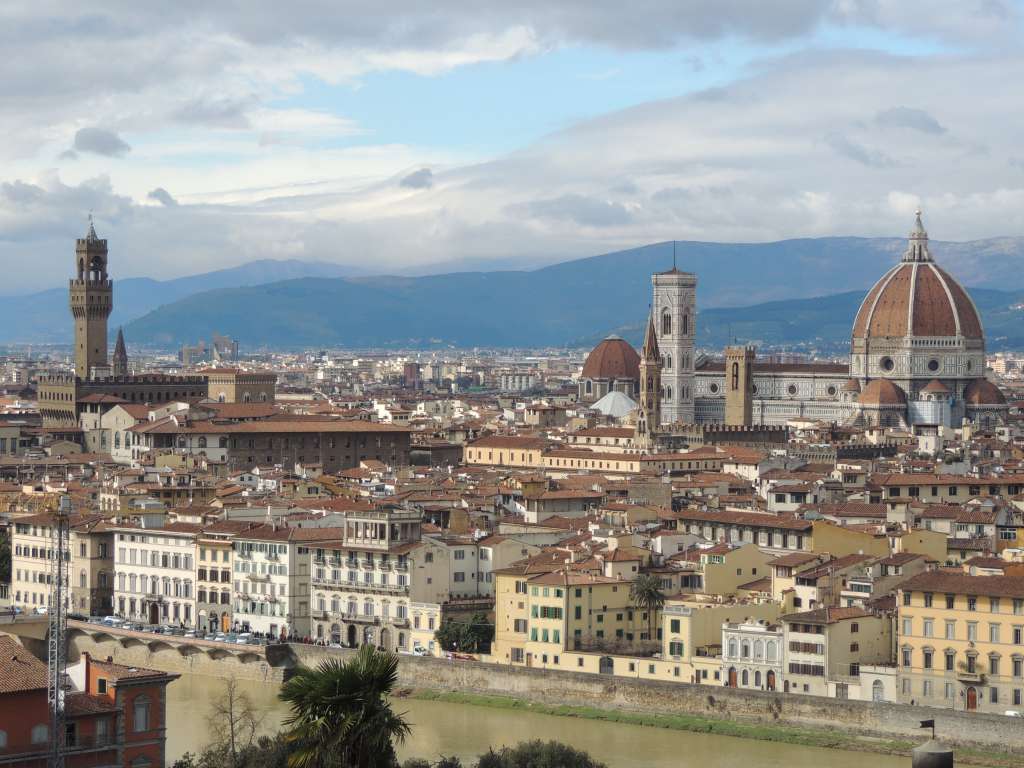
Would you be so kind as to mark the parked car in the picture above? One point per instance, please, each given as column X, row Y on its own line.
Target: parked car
column 42, row 610
column 1013, row 713
column 210, row 636
column 220, row 637
column 244, row 638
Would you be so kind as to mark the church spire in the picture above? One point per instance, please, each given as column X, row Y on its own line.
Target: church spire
column 917, row 246
column 119, row 363
column 90, row 233
column 650, row 348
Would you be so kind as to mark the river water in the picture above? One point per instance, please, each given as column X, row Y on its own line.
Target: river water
column 440, row 728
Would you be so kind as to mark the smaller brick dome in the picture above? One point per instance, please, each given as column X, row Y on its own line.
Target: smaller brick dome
column 983, row 392
column 851, row 386
column 613, row 358
column 882, row 392
column 936, row 387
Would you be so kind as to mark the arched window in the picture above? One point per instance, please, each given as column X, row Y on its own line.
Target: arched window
column 757, row 679
column 746, row 678
column 668, row 362
column 771, row 650
column 735, row 378
column 202, row 442
column 368, row 608
column 759, row 650
column 732, row 649
column 686, row 324
column 117, row 439
column 223, row 442
column 666, row 323
column 746, row 651
column 589, row 386
column 668, row 393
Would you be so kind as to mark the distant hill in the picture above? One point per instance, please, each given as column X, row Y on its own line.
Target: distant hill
column 44, row 316
column 510, row 309
column 771, row 288
column 823, row 323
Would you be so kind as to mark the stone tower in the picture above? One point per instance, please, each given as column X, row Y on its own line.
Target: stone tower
column 739, row 386
column 649, row 416
column 92, row 295
column 675, row 315
column 119, row 362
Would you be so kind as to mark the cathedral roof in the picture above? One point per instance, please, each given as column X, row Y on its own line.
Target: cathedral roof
column 983, row 392
column 917, row 298
column 613, row 358
column 882, row 392
column 615, row 404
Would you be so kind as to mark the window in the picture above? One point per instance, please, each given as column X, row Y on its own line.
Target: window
column 950, row 600
column 101, row 685
column 927, row 599
column 140, row 714
column 40, row 734
column 950, row 660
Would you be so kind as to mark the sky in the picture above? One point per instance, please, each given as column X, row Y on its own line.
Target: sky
column 409, row 137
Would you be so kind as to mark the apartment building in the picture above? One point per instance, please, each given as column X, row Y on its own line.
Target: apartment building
column 115, row 715
column 960, row 641
column 752, row 654
column 214, row 568
column 825, row 648
column 155, row 573
column 378, row 565
column 89, row 556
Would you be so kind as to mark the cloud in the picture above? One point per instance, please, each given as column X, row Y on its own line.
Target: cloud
column 162, row 196
column 421, row 179
column 229, row 113
column 907, row 117
column 578, row 209
column 873, row 158
column 100, row 141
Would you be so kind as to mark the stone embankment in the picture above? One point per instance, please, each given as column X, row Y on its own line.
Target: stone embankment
column 557, row 689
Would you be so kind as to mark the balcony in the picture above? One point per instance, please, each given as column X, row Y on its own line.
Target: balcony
column 970, row 677
column 258, row 576
column 361, row 587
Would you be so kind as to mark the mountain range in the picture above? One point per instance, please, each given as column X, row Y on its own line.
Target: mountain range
column 791, row 292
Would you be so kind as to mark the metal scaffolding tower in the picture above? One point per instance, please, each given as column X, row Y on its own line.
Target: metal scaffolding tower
column 60, row 553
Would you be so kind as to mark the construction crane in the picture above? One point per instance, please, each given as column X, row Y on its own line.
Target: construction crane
column 56, row 656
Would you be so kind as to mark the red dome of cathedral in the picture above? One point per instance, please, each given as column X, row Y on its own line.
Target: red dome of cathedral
column 613, row 358
column 983, row 392
column 882, row 392
column 917, row 298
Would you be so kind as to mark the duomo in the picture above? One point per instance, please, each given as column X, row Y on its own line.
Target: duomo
column 917, row 361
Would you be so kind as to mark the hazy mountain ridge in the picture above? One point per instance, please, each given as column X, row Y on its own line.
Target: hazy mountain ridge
column 303, row 304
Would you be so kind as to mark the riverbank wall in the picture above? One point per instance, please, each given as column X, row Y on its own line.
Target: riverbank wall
column 550, row 688
column 181, row 657
column 557, row 688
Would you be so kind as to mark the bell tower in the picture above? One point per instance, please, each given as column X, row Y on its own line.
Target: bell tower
column 91, row 298
column 649, row 416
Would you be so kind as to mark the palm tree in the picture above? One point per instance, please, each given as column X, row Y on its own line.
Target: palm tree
column 340, row 714
column 647, row 596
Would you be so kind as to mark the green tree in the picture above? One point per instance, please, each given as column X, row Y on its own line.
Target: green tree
column 473, row 635
column 647, row 596
column 340, row 714
column 538, row 754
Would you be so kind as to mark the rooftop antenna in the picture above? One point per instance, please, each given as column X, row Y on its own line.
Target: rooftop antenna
column 673, row 255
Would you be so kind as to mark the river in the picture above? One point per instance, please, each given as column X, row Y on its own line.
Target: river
column 441, row 728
